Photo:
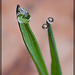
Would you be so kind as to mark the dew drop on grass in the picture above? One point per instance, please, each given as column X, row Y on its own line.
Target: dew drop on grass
column 23, row 15
column 45, row 26
column 50, row 20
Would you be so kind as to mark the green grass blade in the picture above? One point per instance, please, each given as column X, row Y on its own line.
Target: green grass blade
column 55, row 65
column 30, row 41
column 33, row 48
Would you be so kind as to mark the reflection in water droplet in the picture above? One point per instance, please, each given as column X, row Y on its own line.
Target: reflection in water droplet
column 22, row 15
column 45, row 26
column 50, row 20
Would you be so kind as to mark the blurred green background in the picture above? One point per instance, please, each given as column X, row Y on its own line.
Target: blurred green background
column 15, row 57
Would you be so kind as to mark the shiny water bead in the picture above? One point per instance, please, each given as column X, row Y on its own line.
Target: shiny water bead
column 45, row 26
column 22, row 15
column 50, row 20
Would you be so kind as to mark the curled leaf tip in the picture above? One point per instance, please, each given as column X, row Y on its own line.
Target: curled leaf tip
column 17, row 8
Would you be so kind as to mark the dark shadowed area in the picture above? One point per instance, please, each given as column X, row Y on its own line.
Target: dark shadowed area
column 15, row 57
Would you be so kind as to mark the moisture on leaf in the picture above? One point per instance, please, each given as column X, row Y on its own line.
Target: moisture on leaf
column 23, row 15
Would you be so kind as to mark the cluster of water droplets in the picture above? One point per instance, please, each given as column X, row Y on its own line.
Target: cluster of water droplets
column 22, row 11
column 49, row 20
column 26, row 17
column 23, row 14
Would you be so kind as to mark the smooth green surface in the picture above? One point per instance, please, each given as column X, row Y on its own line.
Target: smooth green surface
column 30, row 41
column 55, row 65
column 33, row 48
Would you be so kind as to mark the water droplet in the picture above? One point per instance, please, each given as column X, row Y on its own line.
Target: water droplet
column 45, row 26
column 50, row 20
column 22, row 15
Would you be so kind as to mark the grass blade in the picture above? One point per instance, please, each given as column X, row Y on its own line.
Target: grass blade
column 31, row 42
column 55, row 64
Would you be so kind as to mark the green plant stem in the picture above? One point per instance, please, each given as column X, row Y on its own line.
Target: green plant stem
column 55, row 65
column 33, row 48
